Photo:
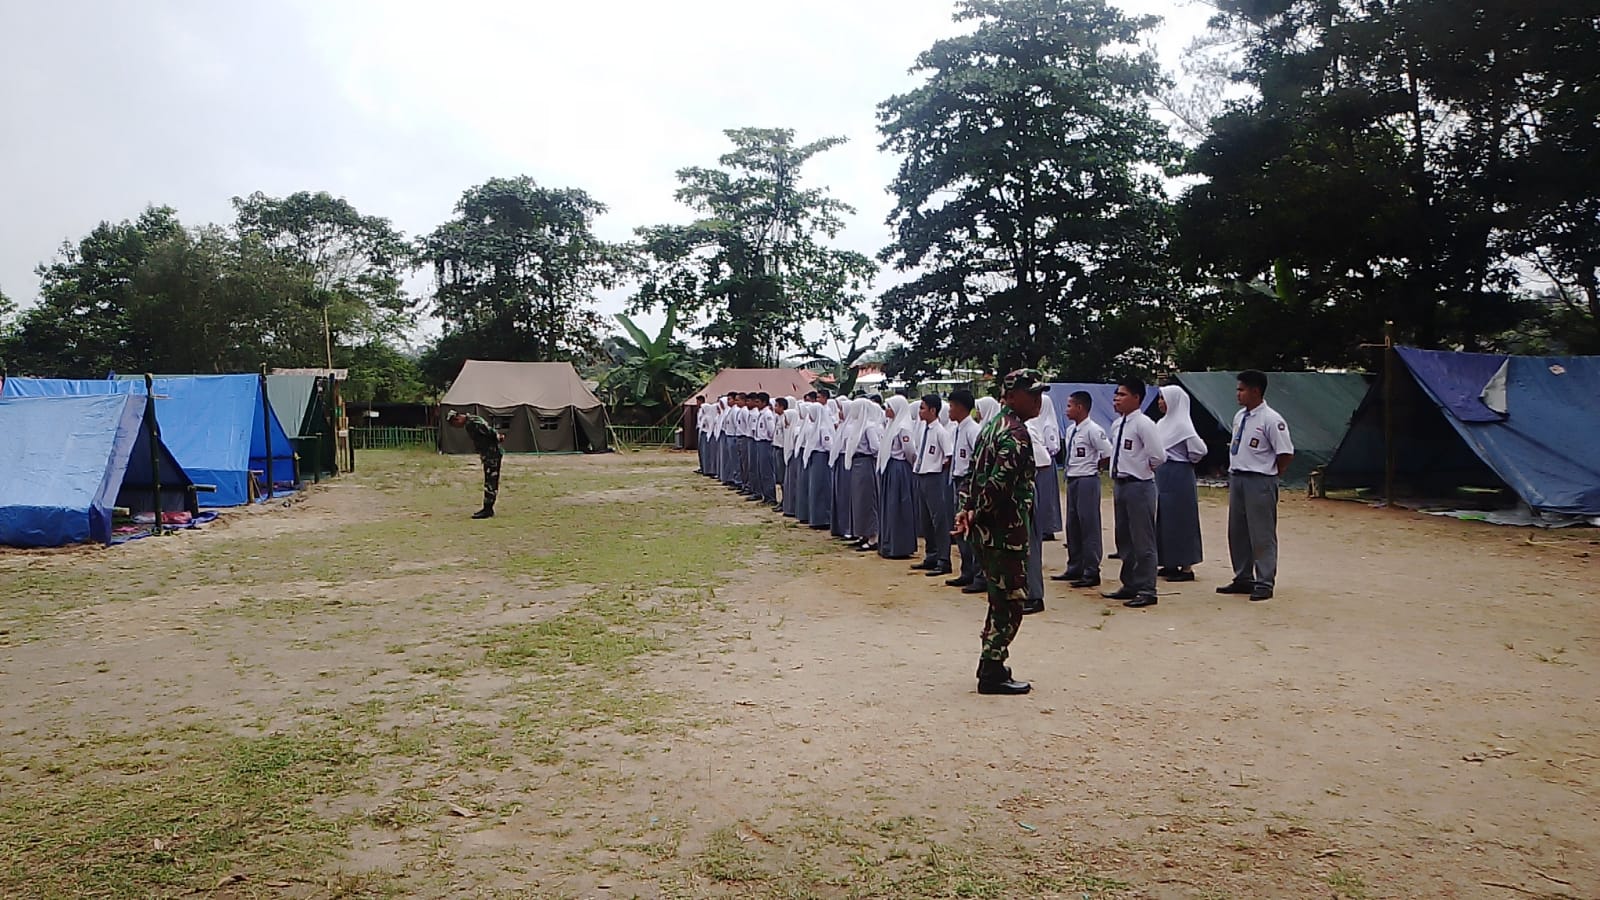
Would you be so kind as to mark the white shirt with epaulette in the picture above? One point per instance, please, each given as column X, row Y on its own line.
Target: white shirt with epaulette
column 1260, row 436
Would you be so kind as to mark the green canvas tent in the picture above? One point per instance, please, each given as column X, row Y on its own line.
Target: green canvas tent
column 1317, row 405
column 301, row 403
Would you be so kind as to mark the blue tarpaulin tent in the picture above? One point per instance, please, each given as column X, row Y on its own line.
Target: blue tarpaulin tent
column 66, row 461
column 1101, row 413
column 216, row 426
column 1530, row 424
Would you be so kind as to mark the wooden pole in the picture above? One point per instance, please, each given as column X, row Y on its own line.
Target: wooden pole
column 153, row 433
column 266, row 428
column 1389, row 450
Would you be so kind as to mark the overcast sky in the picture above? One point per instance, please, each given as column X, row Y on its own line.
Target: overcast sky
column 107, row 106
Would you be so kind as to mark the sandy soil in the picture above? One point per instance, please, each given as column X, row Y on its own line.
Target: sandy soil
column 1416, row 714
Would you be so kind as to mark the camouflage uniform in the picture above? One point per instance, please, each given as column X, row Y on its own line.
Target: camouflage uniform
column 999, row 495
column 486, row 441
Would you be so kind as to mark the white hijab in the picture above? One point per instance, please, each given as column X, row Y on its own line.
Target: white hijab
column 808, row 430
column 988, row 408
column 905, row 415
column 1045, row 430
column 857, row 416
column 1175, row 426
column 828, row 429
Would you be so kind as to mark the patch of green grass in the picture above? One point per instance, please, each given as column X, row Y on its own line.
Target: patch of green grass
column 214, row 805
column 1347, row 884
column 726, row 858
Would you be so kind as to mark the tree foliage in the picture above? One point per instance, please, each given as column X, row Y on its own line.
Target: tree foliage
column 755, row 266
column 352, row 264
column 1029, row 208
column 515, row 271
column 845, row 364
column 655, row 372
column 1410, row 160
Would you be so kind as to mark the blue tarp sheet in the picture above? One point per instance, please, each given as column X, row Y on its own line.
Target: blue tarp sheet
column 215, row 425
column 65, row 460
column 1546, row 446
column 1102, row 412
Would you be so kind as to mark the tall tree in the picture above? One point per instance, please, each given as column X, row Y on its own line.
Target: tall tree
column 353, row 264
column 515, row 274
column 1406, row 160
column 756, row 266
column 1029, row 211
column 654, row 372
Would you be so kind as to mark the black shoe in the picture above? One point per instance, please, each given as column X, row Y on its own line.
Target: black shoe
column 867, row 548
column 937, row 571
column 1008, row 687
column 1029, row 607
column 897, row 558
column 975, row 588
column 958, row 582
column 923, row 566
column 849, row 538
column 1180, row 575
column 1064, row 576
column 486, row 513
column 1261, row 593
column 819, row 528
column 1120, row 594
column 1141, row 601
column 1085, row 583
column 1165, row 572
column 1049, row 537
column 1237, row 587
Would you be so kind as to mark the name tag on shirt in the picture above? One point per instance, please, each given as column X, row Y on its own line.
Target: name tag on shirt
column 1127, row 444
column 1255, row 443
column 1083, row 451
column 963, row 453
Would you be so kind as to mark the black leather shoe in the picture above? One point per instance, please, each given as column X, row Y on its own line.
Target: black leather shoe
column 1141, row 601
column 1237, row 587
column 937, row 571
column 1008, row 687
column 850, row 539
column 1029, row 607
column 923, row 566
column 975, row 588
column 1165, row 572
column 866, row 548
column 1120, row 594
column 1064, row 576
column 958, row 582
column 1085, row 583
column 486, row 513
column 1180, row 575
column 1261, row 593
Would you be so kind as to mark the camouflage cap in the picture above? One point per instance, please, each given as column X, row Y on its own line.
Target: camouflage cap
column 1031, row 380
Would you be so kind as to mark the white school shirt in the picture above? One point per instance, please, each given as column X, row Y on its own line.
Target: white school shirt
column 1046, row 435
column 871, row 437
column 931, row 444
column 966, row 440
column 1087, row 444
column 766, row 425
column 1136, row 448
column 1260, row 436
column 1192, row 450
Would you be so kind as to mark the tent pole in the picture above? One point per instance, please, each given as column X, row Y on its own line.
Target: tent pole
column 153, row 433
column 266, row 428
column 1388, row 414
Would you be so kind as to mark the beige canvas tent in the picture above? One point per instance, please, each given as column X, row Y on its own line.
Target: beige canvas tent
column 542, row 407
column 775, row 382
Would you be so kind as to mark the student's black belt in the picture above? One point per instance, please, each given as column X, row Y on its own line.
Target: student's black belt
column 1125, row 479
column 1072, row 478
column 1252, row 474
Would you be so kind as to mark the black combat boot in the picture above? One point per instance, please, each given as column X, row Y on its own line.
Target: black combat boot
column 486, row 513
column 995, row 678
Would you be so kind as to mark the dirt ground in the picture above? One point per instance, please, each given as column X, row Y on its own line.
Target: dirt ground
column 633, row 684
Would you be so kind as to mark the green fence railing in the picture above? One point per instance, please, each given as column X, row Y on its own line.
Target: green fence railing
column 393, row 438
column 643, row 437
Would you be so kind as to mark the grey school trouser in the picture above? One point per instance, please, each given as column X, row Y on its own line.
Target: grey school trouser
column 933, row 517
column 1253, row 528
column 1083, row 526
column 1135, row 504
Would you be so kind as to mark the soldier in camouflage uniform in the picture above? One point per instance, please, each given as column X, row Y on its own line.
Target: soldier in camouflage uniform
column 487, row 442
column 996, row 515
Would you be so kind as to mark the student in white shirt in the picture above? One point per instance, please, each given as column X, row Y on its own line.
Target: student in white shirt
column 1045, row 431
column 934, row 515
column 1178, row 543
column 1258, row 455
column 1086, row 447
column 964, row 439
column 1136, row 452
column 897, row 484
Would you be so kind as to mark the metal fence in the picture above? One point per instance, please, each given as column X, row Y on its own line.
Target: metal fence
column 643, row 437
column 393, row 438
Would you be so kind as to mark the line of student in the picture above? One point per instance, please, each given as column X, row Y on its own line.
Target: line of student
column 883, row 477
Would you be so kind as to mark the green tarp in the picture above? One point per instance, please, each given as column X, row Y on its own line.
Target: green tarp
column 1317, row 405
column 297, row 400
